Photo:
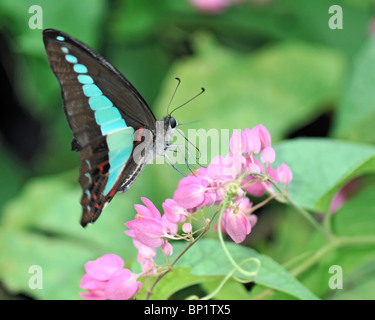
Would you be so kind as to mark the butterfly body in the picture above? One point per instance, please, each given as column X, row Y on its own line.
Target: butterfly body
column 114, row 130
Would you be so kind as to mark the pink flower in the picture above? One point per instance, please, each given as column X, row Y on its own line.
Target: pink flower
column 146, row 257
column 264, row 135
column 104, row 267
column 192, row 193
column 167, row 249
column 346, row 192
column 187, row 227
column 236, row 142
column 170, row 227
column 257, row 189
column 236, row 222
column 235, row 163
column 122, row 285
column 267, row 155
column 244, row 205
column 251, row 141
column 253, row 219
column 253, row 165
column 105, row 278
column 144, row 252
column 148, row 226
column 150, row 211
column 148, row 231
column 173, row 212
column 251, row 183
column 219, row 169
column 284, row 174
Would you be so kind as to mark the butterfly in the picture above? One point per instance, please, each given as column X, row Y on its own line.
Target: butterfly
column 109, row 119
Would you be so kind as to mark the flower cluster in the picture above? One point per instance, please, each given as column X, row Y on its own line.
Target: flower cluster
column 226, row 182
column 237, row 175
column 106, row 278
column 151, row 230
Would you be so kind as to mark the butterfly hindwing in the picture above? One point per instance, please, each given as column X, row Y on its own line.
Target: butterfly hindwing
column 103, row 111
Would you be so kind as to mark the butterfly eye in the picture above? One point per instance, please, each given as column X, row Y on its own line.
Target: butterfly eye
column 172, row 122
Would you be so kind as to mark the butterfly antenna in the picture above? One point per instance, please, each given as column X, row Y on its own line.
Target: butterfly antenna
column 189, row 122
column 196, row 96
column 192, row 144
column 174, row 93
column 173, row 166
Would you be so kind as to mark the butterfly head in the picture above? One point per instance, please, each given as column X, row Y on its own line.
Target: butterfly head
column 170, row 125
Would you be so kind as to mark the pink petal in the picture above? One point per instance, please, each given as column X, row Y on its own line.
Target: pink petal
column 93, row 295
column 143, row 211
column 236, row 142
column 267, row 155
column 173, row 212
column 149, row 232
column 264, row 135
column 244, row 205
column 103, row 267
column 122, row 286
column 256, row 190
column 237, row 226
column 89, row 283
column 252, row 219
column 144, row 252
column 190, row 192
column 187, row 227
column 284, row 174
column 154, row 211
column 251, row 141
column 169, row 226
column 167, row 249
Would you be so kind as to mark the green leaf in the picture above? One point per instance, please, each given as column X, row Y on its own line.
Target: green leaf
column 178, row 279
column 13, row 175
column 356, row 112
column 321, row 166
column 357, row 216
column 207, row 259
column 232, row 290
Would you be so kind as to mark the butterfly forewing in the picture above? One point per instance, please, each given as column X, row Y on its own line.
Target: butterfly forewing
column 103, row 111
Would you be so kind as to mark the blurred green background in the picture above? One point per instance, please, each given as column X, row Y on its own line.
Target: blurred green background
column 261, row 61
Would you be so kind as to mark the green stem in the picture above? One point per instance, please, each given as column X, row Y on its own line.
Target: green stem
column 303, row 212
column 161, row 276
column 236, row 266
column 335, row 243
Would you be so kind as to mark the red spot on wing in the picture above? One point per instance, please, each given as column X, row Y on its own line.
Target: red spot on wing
column 112, row 193
column 101, row 166
column 139, row 135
